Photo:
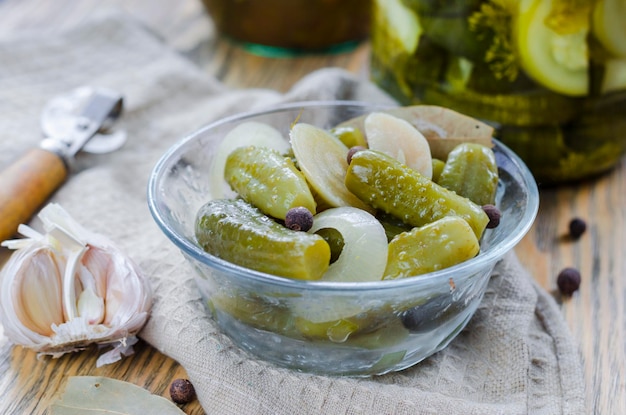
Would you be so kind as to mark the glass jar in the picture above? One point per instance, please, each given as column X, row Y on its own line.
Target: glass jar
column 549, row 75
column 287, row 27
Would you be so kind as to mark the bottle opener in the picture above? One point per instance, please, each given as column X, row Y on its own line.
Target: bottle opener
column 78, row 121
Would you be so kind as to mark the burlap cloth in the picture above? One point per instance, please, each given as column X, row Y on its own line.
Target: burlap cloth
column 516, row 356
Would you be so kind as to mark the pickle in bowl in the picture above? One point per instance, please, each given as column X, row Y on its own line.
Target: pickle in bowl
column 329, row 298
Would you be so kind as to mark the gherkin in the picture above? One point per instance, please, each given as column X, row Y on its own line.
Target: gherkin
column 235, row 231
column 471, row 171
column 432, row 247
column 396, row 189
column 268, row 180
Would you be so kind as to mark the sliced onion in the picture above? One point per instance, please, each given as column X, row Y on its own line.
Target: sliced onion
column 364, row 254
column 399, row 139
column 250, row 133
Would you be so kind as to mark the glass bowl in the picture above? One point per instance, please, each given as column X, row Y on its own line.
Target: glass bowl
column 330, row 328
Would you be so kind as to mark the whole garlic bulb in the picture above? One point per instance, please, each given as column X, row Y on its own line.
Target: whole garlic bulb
column 69, row 288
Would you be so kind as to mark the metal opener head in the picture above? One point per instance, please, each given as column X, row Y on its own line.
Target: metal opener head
column 81, row 121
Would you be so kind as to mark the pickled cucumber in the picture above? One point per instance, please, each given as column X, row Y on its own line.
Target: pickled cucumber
column 254, row 310
column 392, row 225
column 608, row 25
column 402, row 22
column 533, row 107
column 235, row 231
column 438, row 166
column 441, row 244
column 268, row 181
column 340, row 330
column 471, row 171
column 335, row 241
column 555, row 57
column 614, row 76
column 454, row 34
column 396, row 32
column 350, row 136
column 394, row 188
column 336, row 331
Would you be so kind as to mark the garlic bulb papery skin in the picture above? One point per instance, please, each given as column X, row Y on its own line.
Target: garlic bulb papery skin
column 69, row 288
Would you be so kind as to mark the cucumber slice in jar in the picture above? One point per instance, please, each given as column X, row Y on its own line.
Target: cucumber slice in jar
column 555, row 57
column 609, row 25
column 614, row 75
column 402, row 23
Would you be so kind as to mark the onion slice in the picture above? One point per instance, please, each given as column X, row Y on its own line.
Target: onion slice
column 364, row 254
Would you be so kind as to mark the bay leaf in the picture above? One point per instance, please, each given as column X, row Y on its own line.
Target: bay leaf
column 97, row 395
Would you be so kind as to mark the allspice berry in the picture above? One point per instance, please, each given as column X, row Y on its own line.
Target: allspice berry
column 494, row 215
column 568, row 281
column 352, row 151
column 299, row 219
column 577, row 227
column 182, row 391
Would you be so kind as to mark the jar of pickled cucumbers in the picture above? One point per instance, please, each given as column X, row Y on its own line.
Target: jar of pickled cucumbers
column 549, row 75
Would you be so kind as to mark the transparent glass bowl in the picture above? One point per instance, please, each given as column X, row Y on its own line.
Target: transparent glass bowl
column 355, row 329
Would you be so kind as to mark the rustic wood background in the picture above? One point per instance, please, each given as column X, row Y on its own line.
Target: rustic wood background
column 596, row 314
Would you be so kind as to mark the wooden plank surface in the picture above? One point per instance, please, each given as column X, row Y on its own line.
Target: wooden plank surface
column 596, row 315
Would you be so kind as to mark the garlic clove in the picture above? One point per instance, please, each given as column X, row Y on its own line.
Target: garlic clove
column 39, row 293
column 27, row 304
column 68, row 288
column 121, row 306
column 90, row 306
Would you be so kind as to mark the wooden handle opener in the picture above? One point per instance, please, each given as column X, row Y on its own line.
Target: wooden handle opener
column 75, row 120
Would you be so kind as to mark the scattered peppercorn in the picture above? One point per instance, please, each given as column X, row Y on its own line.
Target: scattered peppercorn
column 577, row 227
column 352, row 151
column 299, row 219
column 568, row 281
column 494, row 215
column 182, row 391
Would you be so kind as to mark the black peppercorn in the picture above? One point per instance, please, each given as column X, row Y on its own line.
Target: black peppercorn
column 494, row 215
column 182, row 391
column 299, row 219
column 568, row 281
column 352, row 151
column 577, row 227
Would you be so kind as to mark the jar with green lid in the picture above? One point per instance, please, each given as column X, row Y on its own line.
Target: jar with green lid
column 549, row 75
column 288, row 27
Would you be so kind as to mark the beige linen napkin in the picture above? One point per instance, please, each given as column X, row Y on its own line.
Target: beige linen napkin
column 516, row 356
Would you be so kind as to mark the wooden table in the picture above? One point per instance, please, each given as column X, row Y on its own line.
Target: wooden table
column 596, row 314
